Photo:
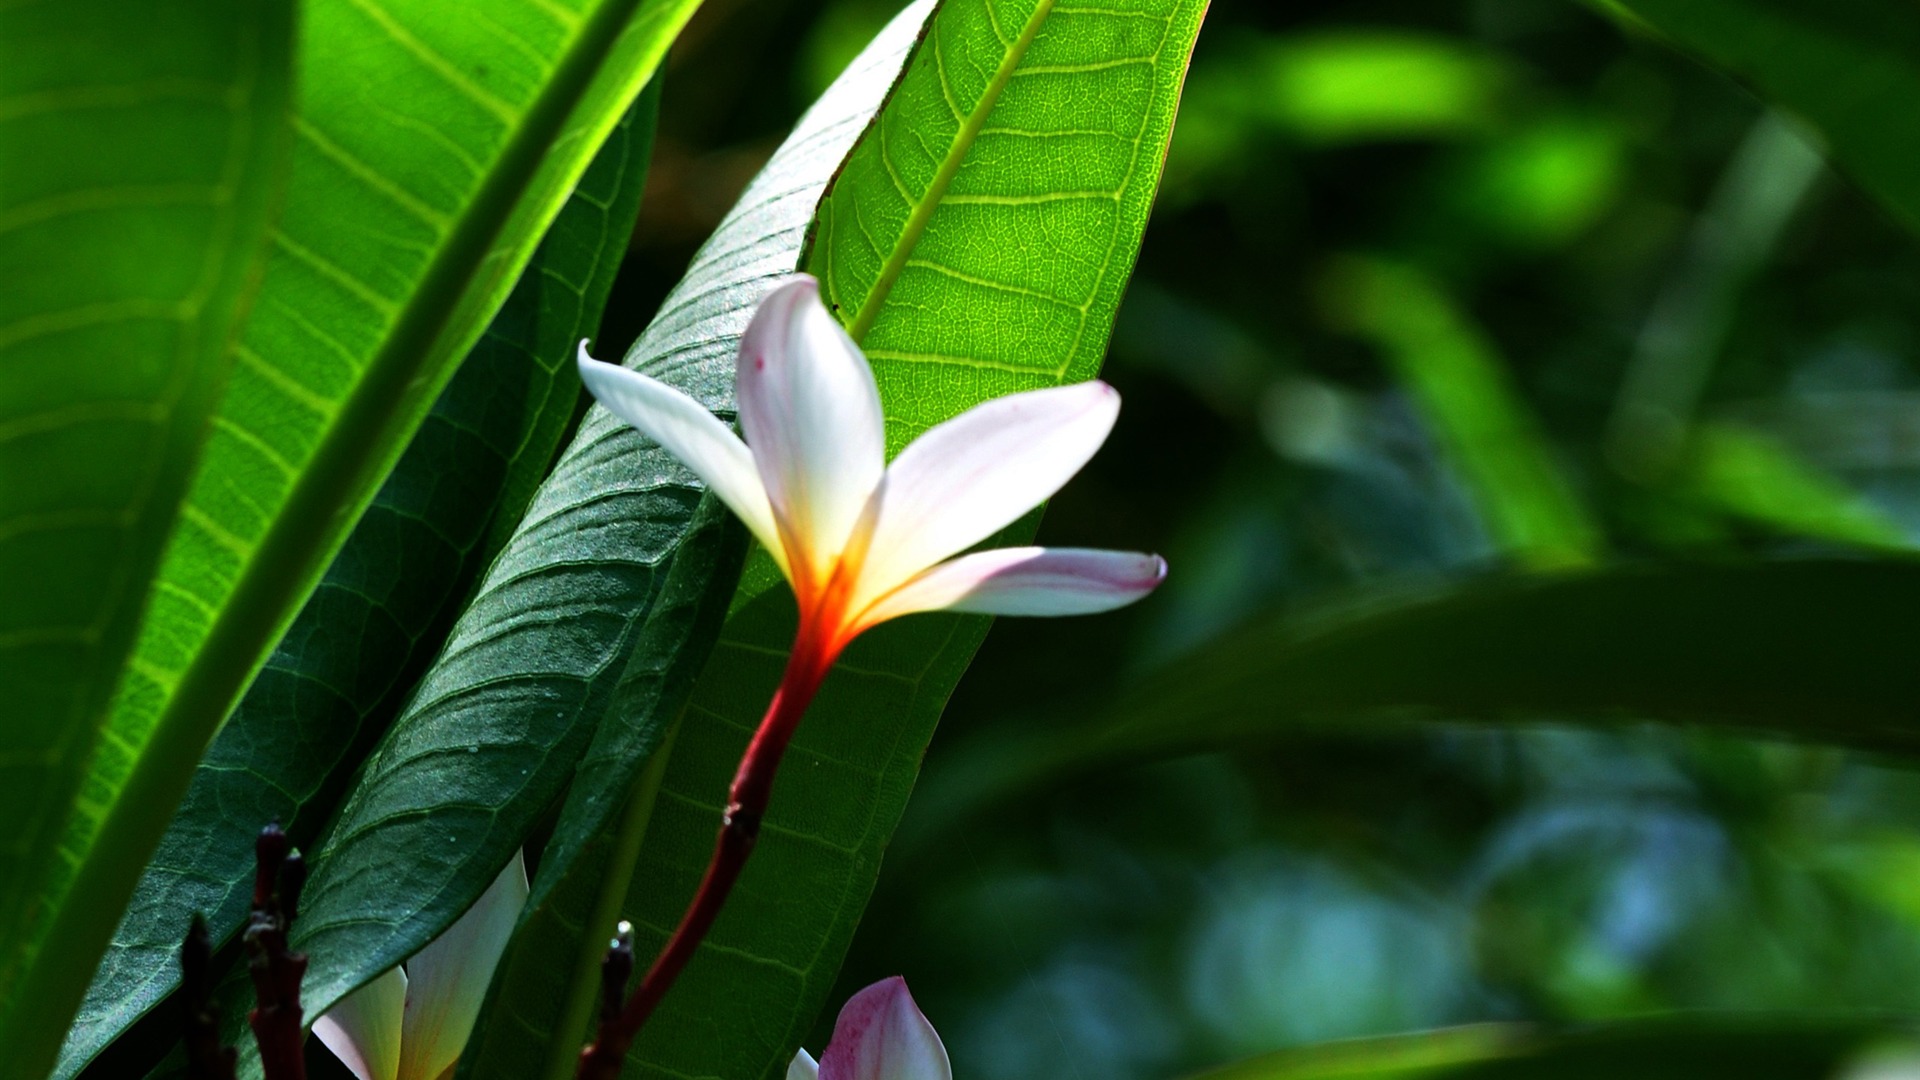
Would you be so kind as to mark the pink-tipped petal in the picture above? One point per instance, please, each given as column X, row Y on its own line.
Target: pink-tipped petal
column 689, row 432
column 802, row 1067
column 1027, row 581
column 447, row 980
column 811, row 413
column 881, row 1035
column 363, row 1029
column 968, row 478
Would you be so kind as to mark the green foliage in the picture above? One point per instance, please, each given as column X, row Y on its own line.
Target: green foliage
column 339, row 674
column 1749, row 475
column 144, row 150
column 1463, row 390
column 1596, row 323
column 1764, row 1048
column 1845, row 68
column 1687, row 644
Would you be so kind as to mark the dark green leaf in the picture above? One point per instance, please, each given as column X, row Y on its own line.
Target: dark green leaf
column 976, row 242
column 1751, row 1047
column 1850, row 69
column 340, row 671
column 536, row 1017
column 1812, row 649
column 143, row 146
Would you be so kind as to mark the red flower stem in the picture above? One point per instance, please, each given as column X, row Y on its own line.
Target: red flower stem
column 739, row 829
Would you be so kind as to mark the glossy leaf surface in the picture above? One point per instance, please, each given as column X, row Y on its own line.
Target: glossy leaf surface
column 143, row 150
column 338, row 674
column 976, row 242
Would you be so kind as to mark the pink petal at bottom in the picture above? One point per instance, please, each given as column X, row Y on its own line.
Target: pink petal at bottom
column 882, row 1035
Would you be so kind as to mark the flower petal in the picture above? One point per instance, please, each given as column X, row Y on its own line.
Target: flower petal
column 689, row 432
column 1026, row 581
column 811, row 413
column 970, row 477
column 363, row 1028
column 802, row 1067
column 881, row 1035
column 447, row 980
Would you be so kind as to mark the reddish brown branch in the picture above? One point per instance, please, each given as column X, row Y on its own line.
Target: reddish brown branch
column 279, row 874
column 739, row 830
column 207, row 1057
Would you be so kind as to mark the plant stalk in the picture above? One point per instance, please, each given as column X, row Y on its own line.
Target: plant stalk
column 739, row 830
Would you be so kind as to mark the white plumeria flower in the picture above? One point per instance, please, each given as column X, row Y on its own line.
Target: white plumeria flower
column 412, row 1022
column 860, row 540
column 881, row 1035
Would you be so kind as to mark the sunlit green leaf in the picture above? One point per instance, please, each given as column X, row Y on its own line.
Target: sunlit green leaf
column 143, row 147
column 430, row 155
column 335, row 678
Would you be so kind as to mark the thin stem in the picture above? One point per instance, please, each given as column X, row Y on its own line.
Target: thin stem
column 277, row 971
column 739, row 830
column 207, row 1057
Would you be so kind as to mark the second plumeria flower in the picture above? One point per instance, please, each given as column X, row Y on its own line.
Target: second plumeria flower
column 413, row 1021
column 860, row 540
column 880, row 1035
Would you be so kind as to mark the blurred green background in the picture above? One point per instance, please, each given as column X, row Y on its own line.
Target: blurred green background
column 1432, row 290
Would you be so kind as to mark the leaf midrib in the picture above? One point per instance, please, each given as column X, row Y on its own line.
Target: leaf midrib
column 957, row 150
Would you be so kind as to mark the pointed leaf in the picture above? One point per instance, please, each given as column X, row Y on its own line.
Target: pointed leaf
column 1814, row 649
column 144, row 147
column 339, row 674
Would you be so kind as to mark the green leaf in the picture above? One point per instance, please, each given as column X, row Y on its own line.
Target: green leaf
column 578, row 600
column 339, row 673
column 1849, row 69
column 1747, row 474
column 976, row 241
column 144, row 148
column 536, row 1018
column 1814, row 649
column 1463, row 390
column 1756, row 1047
column 431, row 153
